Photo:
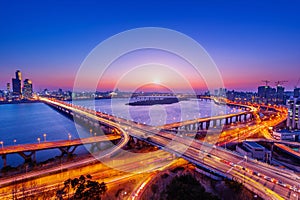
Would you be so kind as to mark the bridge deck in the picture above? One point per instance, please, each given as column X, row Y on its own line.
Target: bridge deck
column 56, row 144
column 198, row 120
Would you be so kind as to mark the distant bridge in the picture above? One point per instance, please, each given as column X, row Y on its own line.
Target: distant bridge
column 214, row 121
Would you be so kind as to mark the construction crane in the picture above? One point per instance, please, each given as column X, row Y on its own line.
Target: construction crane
column 266, row 81
column 278, row 83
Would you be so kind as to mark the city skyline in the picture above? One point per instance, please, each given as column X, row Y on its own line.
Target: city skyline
column 259, row 44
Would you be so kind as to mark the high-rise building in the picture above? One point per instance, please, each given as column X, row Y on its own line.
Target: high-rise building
column 297, row 92
column 17, row 84
column 8, row 87
column 27, row 89
column 293, row 120
column 261, row 91
column 267, row 94
column 280, row 94
column 18, row 75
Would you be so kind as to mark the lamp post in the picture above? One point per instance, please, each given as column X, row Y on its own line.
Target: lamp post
column 70, row 136
column 39, row 140
column 1, row 142
column 15, row 141
column 45, row 135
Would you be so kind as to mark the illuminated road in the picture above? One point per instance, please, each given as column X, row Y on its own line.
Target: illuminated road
column 232, row 164
column 56, row 144
column 272, row 184
column 120, row 168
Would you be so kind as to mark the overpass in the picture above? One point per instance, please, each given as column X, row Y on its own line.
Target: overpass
column 28, row 151
column 213, row 159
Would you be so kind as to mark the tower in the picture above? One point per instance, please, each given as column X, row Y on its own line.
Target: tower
column 17, row 84
column 27, row 89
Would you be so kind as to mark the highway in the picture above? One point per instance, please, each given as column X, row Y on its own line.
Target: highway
column 56, row 144
column 232, row 164
column 274, row 183
column 120, row 168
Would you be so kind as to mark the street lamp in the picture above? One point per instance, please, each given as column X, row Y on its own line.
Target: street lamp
column 69, row 135
column 1, row 142
column 15, row 141
column 45, row 137
column 39, row 140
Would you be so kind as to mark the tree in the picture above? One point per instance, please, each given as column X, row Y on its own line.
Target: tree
column 84, row 188
column 187, row 187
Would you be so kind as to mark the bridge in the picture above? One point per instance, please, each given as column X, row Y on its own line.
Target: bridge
column 214, row 121
column 209, row 122
column 212, row 159
column 28, row 151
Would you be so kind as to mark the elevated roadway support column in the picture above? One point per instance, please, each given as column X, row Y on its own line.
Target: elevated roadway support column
column 214, row 123
column 67, row 150
column 4, row 160
column 200, row 126
column 29, row 158
column 207, row 123
column 226, row 121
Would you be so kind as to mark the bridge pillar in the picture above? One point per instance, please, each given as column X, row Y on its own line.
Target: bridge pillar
column 67, row 150
column 193, row 127
column 226, row 121
column 249, row 116
column 186, row 127
column 4, row 160
column 200, row 125
column 207, row 124
column 214, row 123
column 175, row 129
column 31, row 157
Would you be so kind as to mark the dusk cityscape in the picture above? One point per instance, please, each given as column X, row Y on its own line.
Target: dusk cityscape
column 149, row 100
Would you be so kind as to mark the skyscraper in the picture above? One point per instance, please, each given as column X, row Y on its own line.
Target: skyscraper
column 27, row 89
column 18, row 75
column 8, row 87
column 293, row 120
column 17, row 84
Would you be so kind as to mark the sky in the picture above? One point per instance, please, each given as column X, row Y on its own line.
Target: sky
column 249, row 41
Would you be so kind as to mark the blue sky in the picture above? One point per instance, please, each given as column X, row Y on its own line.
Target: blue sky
column 249, row 40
